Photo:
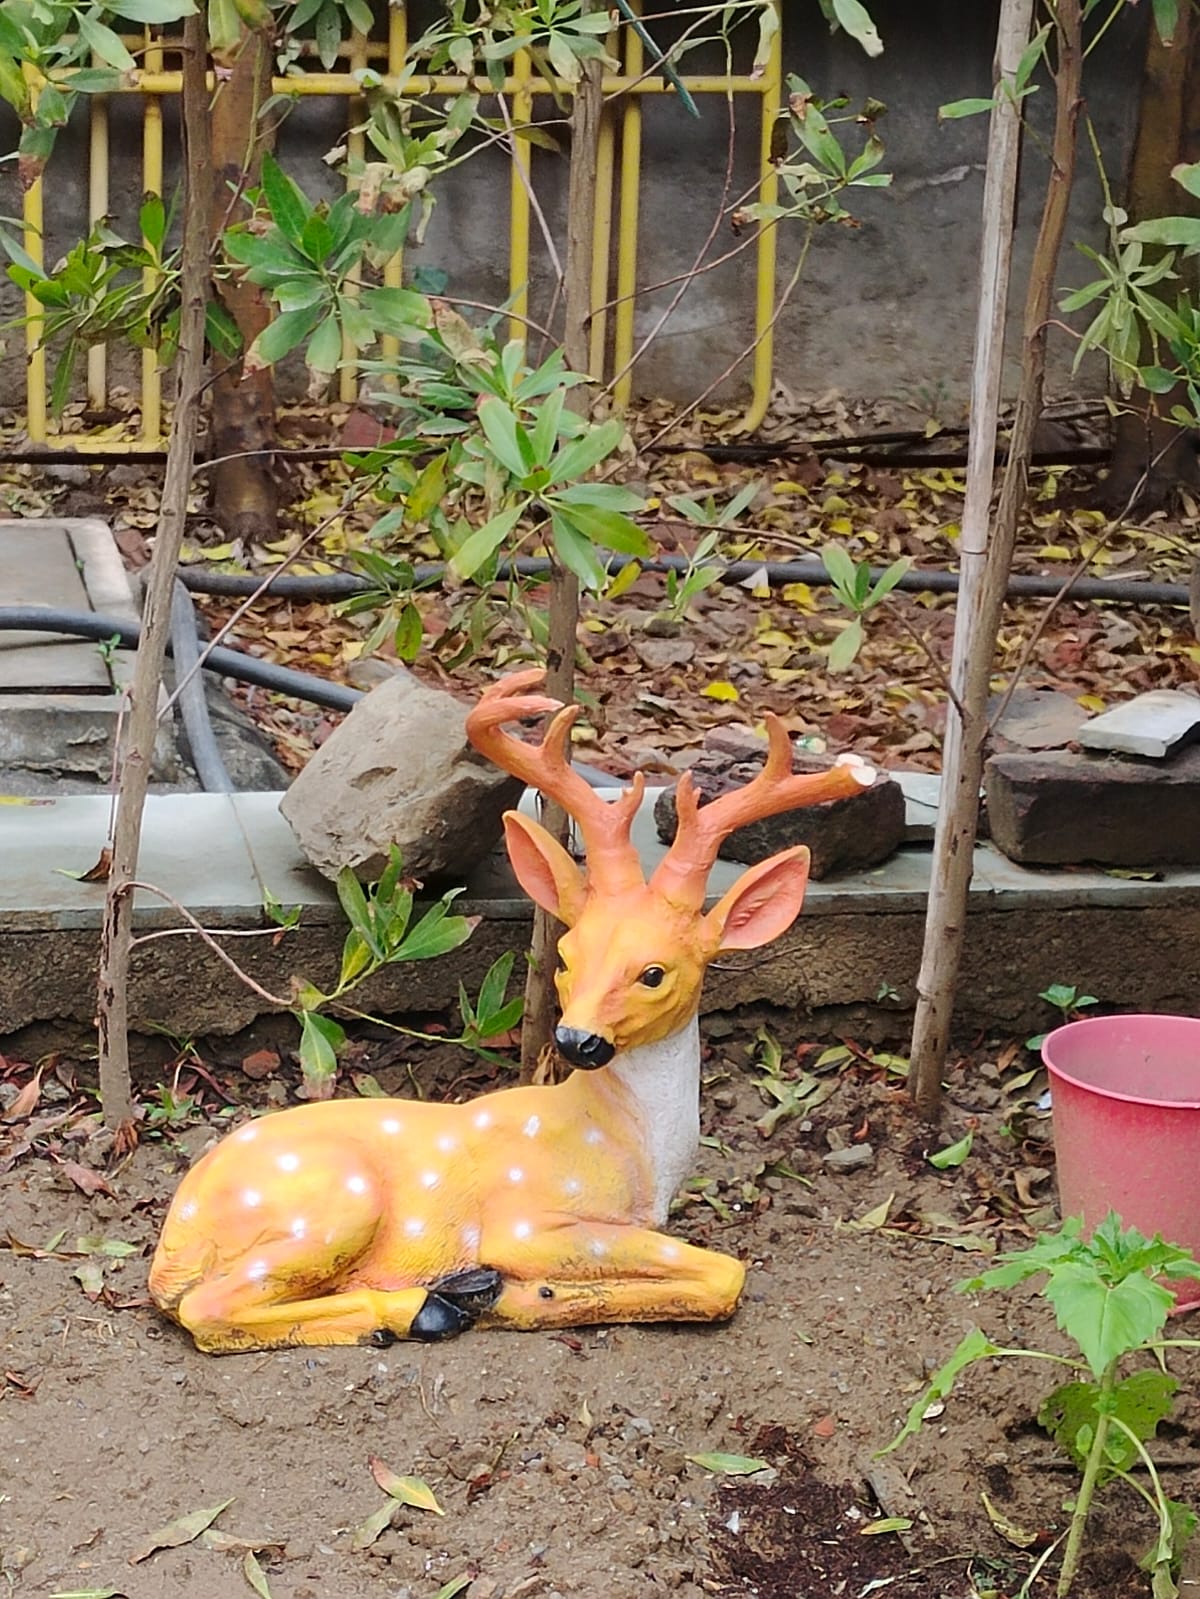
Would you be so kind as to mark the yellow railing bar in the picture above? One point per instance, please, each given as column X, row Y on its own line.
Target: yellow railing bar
column 601, row 244
column 624, row 317
column 767, row 251
column 97, row 356
column 33, row 217
column 356, row 145
column 340, row 83
column 519, row 89
column 152, row 183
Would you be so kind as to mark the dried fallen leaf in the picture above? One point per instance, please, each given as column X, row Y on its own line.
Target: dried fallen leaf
column 376, row 1523
column 729, row 1465
column 255, row 1575
column 887, row 1524
column 412, row 1491
column 873, row 1219
column 176, row 1533
column 26, row 1101
column 1019, row 1537
column 85, row 1179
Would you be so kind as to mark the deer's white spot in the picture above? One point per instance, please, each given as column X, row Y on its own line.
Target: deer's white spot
column 515, row 1174
column 288, row 1162
column 389, row 1124
column 245, row 1134
column 299, row 1227
column 414, row 1227
column 522, row 1229
column 483, row 1119
column 593, row 1136
column 597, row 1248
column 670, row 1251
column 572, row 1186
column 430, row 1179
column 357, row 1184
column 187, row 1210
column 251, row 1197
column 257, row 1270
column 446, row 1143
column 531, row 1127
column 470, row 1237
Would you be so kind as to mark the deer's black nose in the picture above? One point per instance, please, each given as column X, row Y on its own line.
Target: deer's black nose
column 588, row 1050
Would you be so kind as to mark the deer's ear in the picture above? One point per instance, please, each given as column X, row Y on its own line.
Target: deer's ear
column 544, row 869
column 763, row 903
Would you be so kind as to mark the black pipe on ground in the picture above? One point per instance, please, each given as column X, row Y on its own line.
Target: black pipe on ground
column 341, row 585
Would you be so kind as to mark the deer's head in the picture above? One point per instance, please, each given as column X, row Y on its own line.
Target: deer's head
column 634, row 954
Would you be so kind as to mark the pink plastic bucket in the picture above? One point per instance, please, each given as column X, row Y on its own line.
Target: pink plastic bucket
column 1126, row 1097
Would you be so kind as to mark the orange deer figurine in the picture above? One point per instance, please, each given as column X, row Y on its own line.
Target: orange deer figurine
column 367, row 1220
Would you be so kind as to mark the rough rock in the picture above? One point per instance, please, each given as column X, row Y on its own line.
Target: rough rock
column 399, row 771
column 1067, row 809
column 1155, row 724
column 844, row 835
column 1036, row 719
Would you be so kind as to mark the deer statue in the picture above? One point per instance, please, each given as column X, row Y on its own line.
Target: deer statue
column 367, row 1220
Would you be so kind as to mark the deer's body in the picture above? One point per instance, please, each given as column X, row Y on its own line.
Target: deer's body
column 371, row 1219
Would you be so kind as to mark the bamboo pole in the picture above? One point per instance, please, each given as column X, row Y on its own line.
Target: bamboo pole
column 112, row 1008
column 958, row 810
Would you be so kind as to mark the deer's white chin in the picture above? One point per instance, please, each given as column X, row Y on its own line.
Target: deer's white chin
column 664, row 1079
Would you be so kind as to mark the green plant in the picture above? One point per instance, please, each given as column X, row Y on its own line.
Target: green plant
column 1109, row 1299
column 1068, row 1002
column 382, row 933
column 853, row 586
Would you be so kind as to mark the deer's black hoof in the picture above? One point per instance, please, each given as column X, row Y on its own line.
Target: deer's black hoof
column 456, row 1302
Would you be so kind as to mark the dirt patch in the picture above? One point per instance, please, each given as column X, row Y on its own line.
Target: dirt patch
column 561, row 1461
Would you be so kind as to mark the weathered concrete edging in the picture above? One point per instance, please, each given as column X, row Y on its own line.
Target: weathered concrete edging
column 1132, row 943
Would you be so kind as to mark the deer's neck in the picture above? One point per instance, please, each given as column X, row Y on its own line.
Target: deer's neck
column 663, row 1081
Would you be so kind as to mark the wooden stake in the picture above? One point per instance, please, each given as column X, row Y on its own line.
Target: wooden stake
column 958, row 810
column 112, row 1004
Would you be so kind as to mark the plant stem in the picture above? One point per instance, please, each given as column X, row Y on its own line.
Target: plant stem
column 1087, row 1487
column 112, row 1000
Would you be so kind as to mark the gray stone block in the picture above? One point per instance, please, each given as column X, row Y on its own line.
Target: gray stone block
column 1064, row 809
column 1154, row 724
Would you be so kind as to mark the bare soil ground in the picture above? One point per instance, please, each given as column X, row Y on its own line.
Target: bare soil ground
column 561, row 1461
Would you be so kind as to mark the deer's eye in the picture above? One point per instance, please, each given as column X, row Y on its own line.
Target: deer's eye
column 652, row 977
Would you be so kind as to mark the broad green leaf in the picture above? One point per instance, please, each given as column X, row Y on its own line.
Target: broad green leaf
column 1181, row 231
column 545, row 431
column 281, row 336
column 510, row 443
column 610, row 496
column 495, row 985
column 954, row 109
column 1187, row 174
column 607, row 528
column 327, row 30
column 975, row 1346
column 1166, row 19
column 152, row 221
column 578, row 554
column 729, row 1465
column 483, row 543
column 1141, row 1400
column 358, row 913
column 289, row 208
column 1156, row 379
column 953, row 1154
column 845, row 647
column 106, row 44
column 451, row 1589
column 857, row 22
column 435, row 934
column 888, row 579
column 577, row 459
column 1106, row 1320
column 152, row 12
column 841, row 569
column 324, row 352
column 320, row 1039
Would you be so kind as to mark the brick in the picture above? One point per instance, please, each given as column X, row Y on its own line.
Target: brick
column 1065, row 809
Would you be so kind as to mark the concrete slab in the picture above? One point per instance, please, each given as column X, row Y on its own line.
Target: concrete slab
column 38, row 567
column 1153, row 725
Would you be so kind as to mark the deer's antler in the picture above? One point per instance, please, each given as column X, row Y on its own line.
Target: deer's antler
column 603, row 824
column 682, row 874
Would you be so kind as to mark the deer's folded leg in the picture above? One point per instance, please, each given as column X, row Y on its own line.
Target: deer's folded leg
column 222, row 1321
column 591, row 1272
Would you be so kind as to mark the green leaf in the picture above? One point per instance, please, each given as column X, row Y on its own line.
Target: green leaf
column 510, row 443
column 857, row 22
column 845, row 647
column 887, row 580
column 1181, row 231
column 152, row 12
column 610, row 496
column 282, row 335
column 320, row 1039
column 729, row 1465
column 104, row 42
column 975, row 1346
column 451, row 1589
column 607, row 528
column 483, row 543
column 494, row 986
column 286, row 202
column 1156, row 379
column 1106, row 1320
column 255, row 1575
column 324, row 352
column 1141, row 1400
column 409, row 633
column 545, row 431
column 842, row 571
column 577, row 459
column 358, row 912
column 327, row 30
column 1187, row 175
column 953, row 1154
column 435, row 934
column 152, row 221
column 954, row 109
column 578, row 554
column 1166, row 19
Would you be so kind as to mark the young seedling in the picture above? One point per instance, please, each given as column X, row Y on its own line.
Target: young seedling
column 854, row 588
column 1068, row 1002
column 1109, row 1300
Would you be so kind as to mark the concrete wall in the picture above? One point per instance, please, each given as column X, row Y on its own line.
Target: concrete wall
column 885, row 311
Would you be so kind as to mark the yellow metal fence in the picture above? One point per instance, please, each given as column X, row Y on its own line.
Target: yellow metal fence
column 153, row 84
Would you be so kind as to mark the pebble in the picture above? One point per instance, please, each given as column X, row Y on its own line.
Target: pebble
column 852, row 1158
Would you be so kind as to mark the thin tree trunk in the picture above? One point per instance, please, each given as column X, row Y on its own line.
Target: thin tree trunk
column 245, row 500
column 586, row 113
column 112, row 1008
column 954, row 836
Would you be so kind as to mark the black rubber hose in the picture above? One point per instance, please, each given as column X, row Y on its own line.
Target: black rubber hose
column 341, row 585
column 226, row 663
column 193, row 701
